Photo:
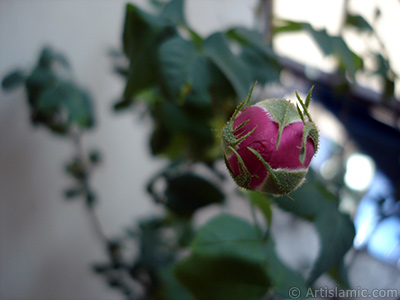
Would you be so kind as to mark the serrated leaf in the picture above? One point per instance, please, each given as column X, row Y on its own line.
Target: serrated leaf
column 216, row 48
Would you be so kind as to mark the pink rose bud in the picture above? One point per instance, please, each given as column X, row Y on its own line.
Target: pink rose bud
column 268, row 146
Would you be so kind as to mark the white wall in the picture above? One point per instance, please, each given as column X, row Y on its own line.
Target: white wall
column 46, row 243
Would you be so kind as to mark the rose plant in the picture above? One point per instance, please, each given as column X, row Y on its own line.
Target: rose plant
column 268, row 146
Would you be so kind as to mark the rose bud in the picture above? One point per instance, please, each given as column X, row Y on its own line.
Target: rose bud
column 268, row 146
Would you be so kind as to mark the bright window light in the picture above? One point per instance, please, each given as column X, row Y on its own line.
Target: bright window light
column 359, row 172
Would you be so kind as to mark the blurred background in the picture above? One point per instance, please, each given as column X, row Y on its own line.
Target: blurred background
column 46, row 244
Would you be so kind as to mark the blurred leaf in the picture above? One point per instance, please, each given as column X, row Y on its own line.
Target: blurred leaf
column 212, row 278
column 172, row 289
column 39, row 80
column 13, row 80
column 173, row 12
column 283, row 278
column 216, row 47
column 95, row 156
column 358, row 22
column 263, row 203
column 227, row 261
column 263, row 69
column 76, row 169
column 68, row 98
column 139, row 30
column 313, row 202
column 188, row 192
column 287, row 26
column 72, row 192
column 351, row 62
column 339, row 274
column 186, row 72
column 218, row 239
column 176, row 58
column 329, row 45
column 143, row 33
column 388, row 89
column 48, row 57
column 336, row 233
column 91, row 199
column 154, row 251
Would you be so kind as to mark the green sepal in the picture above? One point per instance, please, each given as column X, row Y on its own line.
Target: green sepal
column 244, row 178
column 309, row 130
column 304, row 106
column 228, row 133
column 283, row 112
column 280, row 182
column 244, row 104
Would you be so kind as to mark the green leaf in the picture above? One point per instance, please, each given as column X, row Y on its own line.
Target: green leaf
column 186, row 73
column 139, row 30
column 227, row 261
column 216, row 48
column 322, row 38
column 229, row 236
column 283, row 278
column 263, row 68
column 68, row 98
column 173, row 12
column 313, row 202
column 72, row 192
column 339, row 274
column 172, row 289
column 143, row 33
column 188, row 192
column 263, row 203
column 287, row 26
column 336, row 234
column 350, row 61
column 176, row 59
column 212, row 278
column 358, row 22
column 13, row 80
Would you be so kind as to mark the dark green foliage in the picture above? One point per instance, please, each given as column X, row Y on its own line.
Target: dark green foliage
column 13, row 80
column 185, row 192
column 313, row 202
column 55, row 100
column 189, row 86
column 227, row 261
column 189, row 83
